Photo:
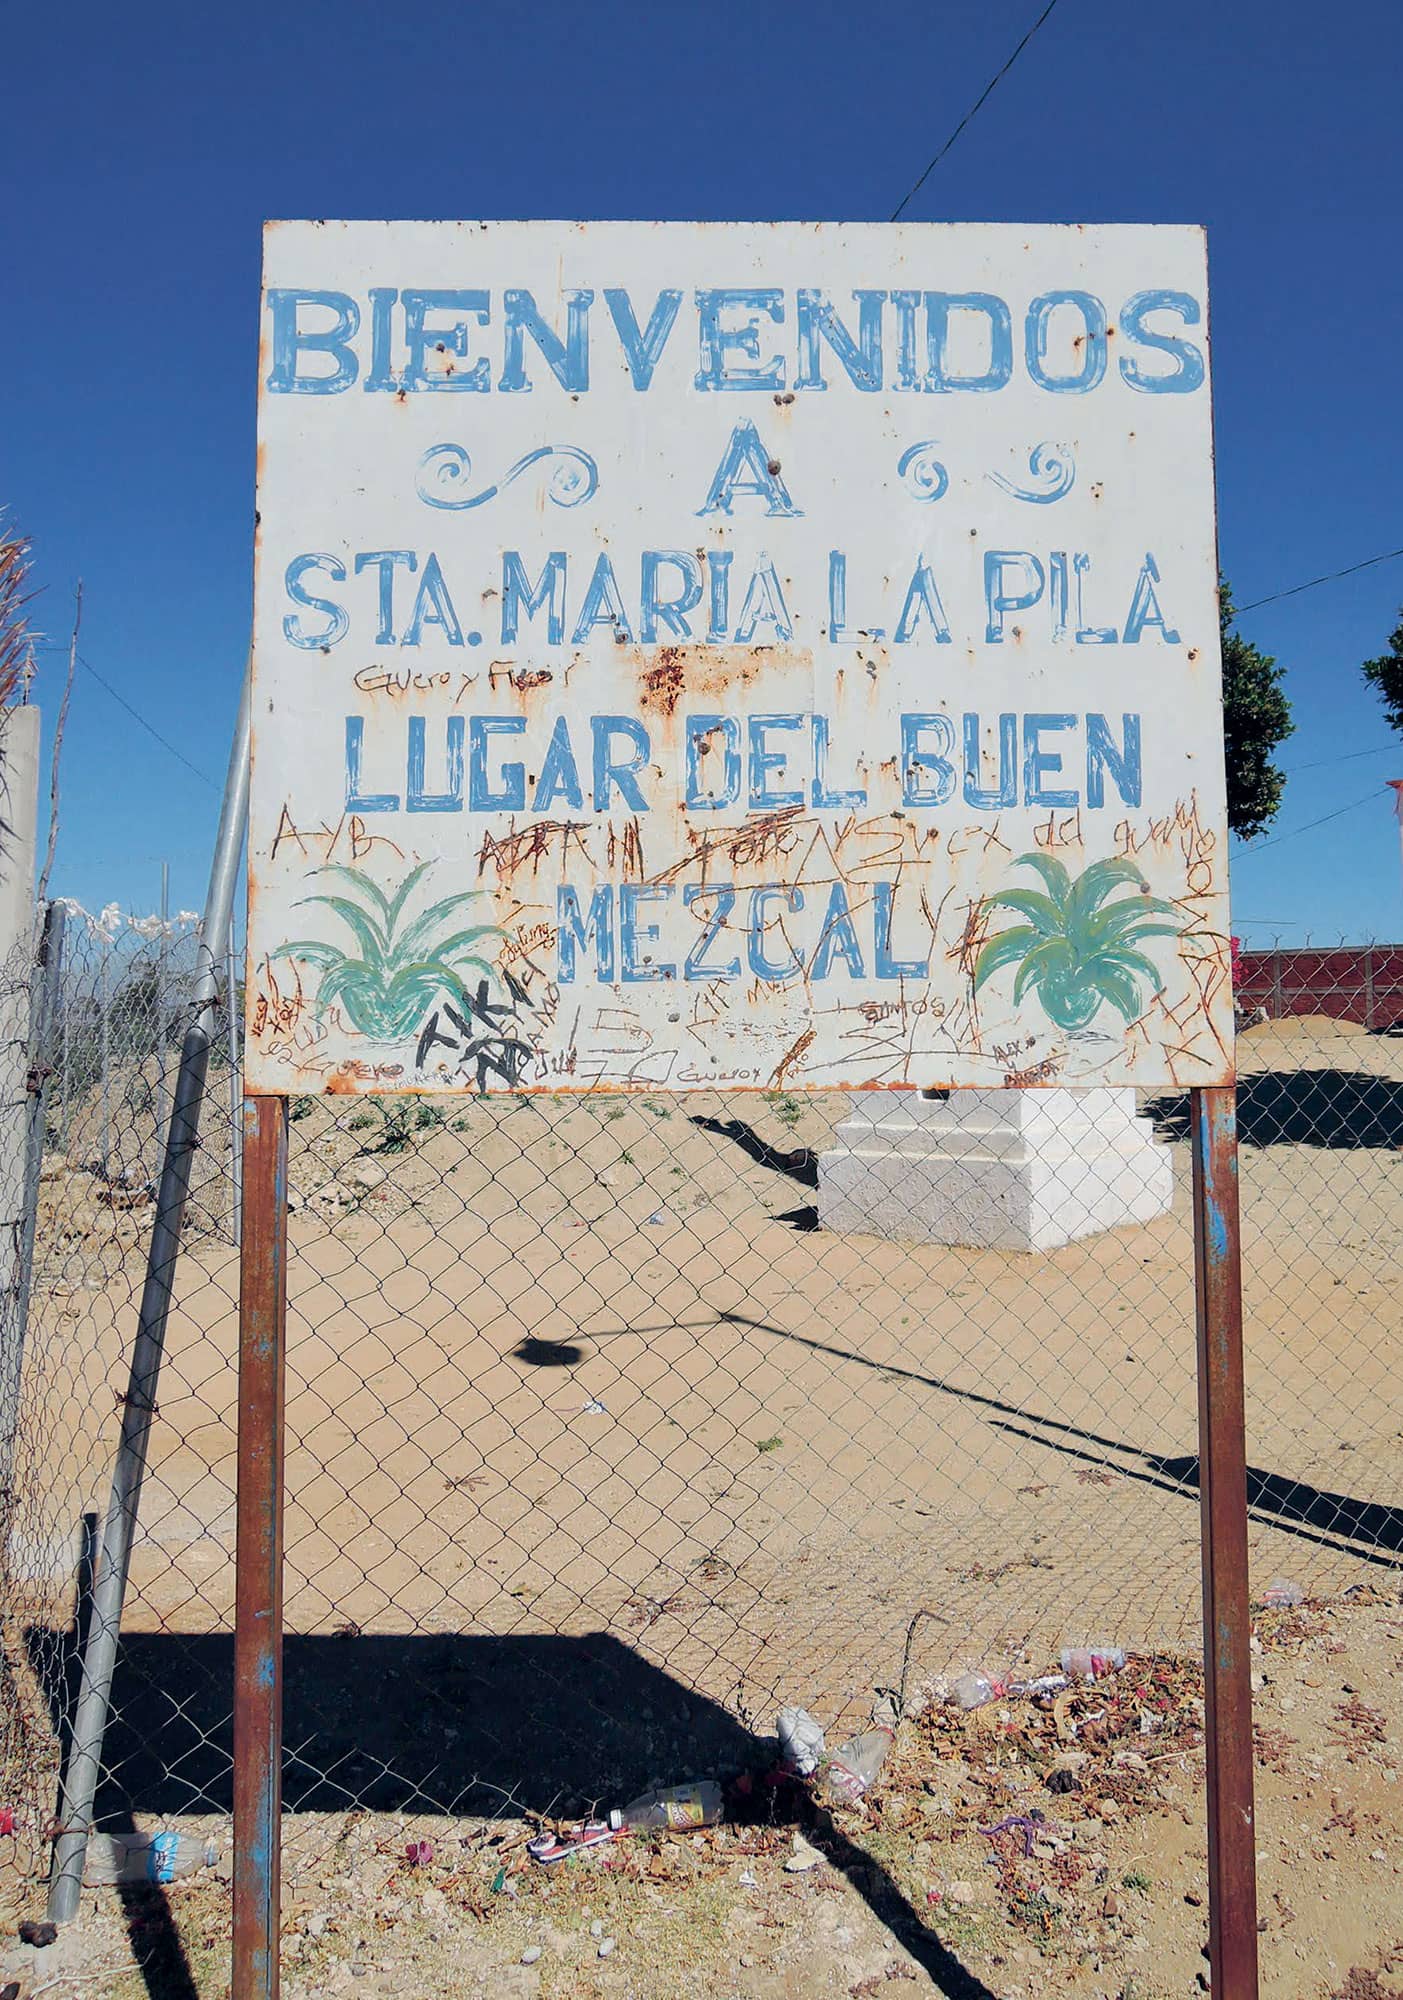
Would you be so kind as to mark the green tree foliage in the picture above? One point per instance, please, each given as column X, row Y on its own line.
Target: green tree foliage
column 1385, row 677
column 1256, row 718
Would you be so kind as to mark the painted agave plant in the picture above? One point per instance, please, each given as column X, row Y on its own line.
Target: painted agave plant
column 399, row 965
column 1078, row 950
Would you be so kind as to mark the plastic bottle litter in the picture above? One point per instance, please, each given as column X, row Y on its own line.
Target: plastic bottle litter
column 977, row 1690
column 146, row 1857
column 696, row 1804
column 1092, row 1663
column 1282, row 1595
column 800, row 1741
column 853, row 1766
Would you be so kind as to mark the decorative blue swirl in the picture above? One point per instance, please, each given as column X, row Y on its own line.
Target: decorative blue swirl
column 924, row 476
column 1052, row 466
column 447, row 467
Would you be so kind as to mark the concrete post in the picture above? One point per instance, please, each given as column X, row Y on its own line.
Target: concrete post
column 996, row 1169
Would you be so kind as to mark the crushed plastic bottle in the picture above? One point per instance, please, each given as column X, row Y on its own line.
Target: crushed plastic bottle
column 1092, row 1663
column 146, row 1857
column 977, row 1690
column 800, row 1741
column 678, row 1806
column 1283, row 1595
column 852, row 1768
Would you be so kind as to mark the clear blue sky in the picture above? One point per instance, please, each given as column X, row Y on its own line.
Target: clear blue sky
column 146, row 145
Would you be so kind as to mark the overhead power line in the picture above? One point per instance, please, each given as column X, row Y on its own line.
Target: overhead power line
column 1389, row 555
column 1311, row 824
column 1345, row 757
column 973, row 112
column 149, row 727
column 136, row 715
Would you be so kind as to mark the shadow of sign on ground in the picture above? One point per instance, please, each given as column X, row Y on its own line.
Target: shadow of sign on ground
column 1310, row 1107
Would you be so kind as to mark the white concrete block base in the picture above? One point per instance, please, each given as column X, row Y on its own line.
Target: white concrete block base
column 995, row 1169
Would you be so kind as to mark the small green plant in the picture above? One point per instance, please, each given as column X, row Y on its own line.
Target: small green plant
column 301, row 1107
column 617, row 1112
column 626, row 1157
column 362, row 1121
column 1137, row 1879
column 788, row 1110
column 427, row 1116
column 769, row 1444
column 402, row 967
column 1078, row 949
column 395, row 1135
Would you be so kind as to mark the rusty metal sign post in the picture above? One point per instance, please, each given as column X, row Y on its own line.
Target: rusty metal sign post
column 258, row 1616
column 1222, row 1473
column 696, row 657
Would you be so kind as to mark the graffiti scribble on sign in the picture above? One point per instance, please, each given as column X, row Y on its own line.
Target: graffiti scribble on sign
column 482, row 1035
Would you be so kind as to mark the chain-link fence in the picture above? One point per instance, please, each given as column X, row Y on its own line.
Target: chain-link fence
column 103, row 1026
column 615, row 1422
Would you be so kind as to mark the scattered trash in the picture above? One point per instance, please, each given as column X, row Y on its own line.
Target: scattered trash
column 548, row 1848
column 800, row 1741
column 1027, row 1825
column 7, row 1819
column 1092, row 1663
column 595, row 1408
column 747, row 1880
column 679, row 1806
column 804, row 1857
column 977, row 1690
column 419, row 1853
column 531, row 1954
column 1283, row 1595
column 37, row 1934
column 852, row 1768
column 145, row 1857
column 655, row 1220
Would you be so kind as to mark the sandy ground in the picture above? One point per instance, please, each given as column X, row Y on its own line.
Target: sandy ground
column 903, row 1893
column 598, row 1448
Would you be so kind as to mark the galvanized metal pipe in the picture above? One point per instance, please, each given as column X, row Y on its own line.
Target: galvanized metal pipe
column 106, row 1056
column 258, row 1618
column 1227, row 1625
column 80, row 1779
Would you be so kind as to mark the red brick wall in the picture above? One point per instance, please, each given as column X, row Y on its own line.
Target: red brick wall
column 1363, row 984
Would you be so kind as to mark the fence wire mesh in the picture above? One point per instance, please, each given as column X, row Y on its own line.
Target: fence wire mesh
column 614, row 1423
column 120, row 1003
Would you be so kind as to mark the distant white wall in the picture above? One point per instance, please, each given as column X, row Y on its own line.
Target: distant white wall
column 19, row 795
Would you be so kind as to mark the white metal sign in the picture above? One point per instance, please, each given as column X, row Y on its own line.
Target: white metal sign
column 695, row 656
